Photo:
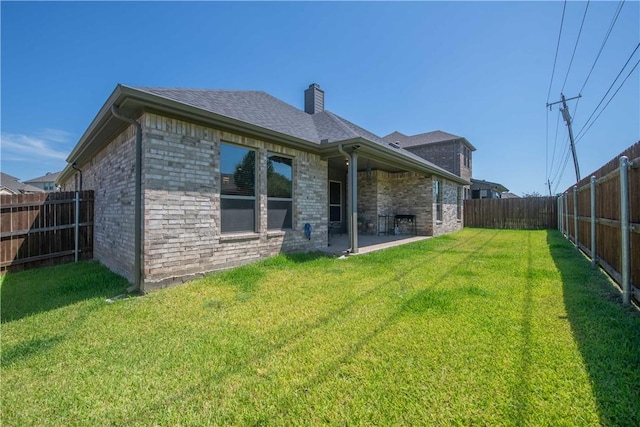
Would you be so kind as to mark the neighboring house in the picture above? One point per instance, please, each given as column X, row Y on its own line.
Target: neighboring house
column 481, row 189
column 450, row 152
column 227, row 177
column 46, row 182
column 508, row 195
column 12, row 185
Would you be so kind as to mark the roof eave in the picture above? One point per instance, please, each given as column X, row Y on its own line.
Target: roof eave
column 392, row 155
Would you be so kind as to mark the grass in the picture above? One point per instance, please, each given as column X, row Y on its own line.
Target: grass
column 479, row 327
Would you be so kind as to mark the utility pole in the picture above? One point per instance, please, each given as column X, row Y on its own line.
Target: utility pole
column 567, row 118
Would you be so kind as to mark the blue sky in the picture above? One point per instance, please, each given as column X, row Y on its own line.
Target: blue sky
column 481, row 70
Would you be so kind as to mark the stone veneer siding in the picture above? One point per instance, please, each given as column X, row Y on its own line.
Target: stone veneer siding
column 111, row 175
column 450, row 221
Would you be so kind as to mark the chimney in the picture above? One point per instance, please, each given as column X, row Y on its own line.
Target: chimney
column 313, row 99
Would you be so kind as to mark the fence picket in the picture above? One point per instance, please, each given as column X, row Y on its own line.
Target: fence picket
column 38, row 229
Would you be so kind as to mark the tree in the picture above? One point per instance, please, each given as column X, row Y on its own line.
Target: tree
column 245, row 174
column 532, row 194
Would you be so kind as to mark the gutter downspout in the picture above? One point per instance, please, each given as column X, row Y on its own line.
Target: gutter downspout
column 352, row 200
column 138, row 284
column 78, row 185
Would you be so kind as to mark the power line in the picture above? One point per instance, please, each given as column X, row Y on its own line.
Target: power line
column 561, row 170
column 575, row 46
column 553, row 71
column 604, row 42
column 555, row 143
column 610, row 99
column 608, row 90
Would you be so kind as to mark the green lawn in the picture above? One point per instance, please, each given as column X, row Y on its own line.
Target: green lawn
column 481, row 327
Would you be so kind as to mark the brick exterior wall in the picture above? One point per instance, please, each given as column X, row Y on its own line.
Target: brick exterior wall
column 181, row 203
column 110, row 173
column 449, row 155
column 407, row 193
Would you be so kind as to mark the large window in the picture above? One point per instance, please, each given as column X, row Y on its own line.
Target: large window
column 279, row 192
column 466, row 154
column 438, row 191
column 237, row 189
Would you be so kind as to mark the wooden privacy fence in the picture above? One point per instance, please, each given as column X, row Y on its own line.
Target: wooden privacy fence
column 530, row 213
column 45, row 229
column 604, row 208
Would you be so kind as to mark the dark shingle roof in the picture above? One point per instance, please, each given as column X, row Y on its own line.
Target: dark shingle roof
column 261, row 109
column 254, row 107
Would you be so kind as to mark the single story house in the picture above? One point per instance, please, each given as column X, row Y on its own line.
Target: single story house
column 191, row 181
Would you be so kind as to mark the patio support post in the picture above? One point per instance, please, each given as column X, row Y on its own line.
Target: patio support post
column 353, row 183
column 575, row 217
column 594, row 258
column 625, row 229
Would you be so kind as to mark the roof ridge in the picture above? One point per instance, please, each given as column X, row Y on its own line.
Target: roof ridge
column 341, row 122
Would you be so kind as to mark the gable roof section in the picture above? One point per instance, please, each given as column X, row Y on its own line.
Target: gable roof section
column 251, row 112
column 426, row 138
column 50, row 177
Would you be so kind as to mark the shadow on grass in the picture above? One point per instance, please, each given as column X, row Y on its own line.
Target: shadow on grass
column 40, row 290
column 419, row 303
column 607, row 334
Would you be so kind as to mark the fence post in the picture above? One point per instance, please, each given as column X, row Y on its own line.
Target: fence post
column 625, row 229
column 77, row 227
column 558, row 210
column 594, row 258
column 575, row 217
column 561, row 214
column 567, row 234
